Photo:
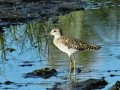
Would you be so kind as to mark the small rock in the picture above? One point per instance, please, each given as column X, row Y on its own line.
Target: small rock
column 8, row 82
column 10, row 49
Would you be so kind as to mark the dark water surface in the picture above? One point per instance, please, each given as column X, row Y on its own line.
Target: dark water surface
column 99, row 26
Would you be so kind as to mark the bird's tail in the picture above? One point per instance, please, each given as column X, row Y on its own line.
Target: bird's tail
column 92, row 47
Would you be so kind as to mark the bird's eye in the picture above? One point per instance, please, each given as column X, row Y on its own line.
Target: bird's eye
column 54, row 31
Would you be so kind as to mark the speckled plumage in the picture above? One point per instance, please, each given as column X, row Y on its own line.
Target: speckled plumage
column 70, row 45
column 74, row 43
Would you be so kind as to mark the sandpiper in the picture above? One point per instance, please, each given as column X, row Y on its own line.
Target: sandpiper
column 70, row 46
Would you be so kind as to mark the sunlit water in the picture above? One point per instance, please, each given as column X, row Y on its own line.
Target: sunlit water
column 94, row 26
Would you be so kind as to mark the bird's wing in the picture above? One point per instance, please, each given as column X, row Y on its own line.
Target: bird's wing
column 74, row 43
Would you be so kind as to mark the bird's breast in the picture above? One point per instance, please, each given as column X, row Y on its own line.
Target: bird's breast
column 64, row 48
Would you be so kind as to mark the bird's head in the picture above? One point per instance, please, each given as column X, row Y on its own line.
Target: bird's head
column 56, row 32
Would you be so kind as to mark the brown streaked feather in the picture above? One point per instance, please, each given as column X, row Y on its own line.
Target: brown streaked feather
column 76, row 44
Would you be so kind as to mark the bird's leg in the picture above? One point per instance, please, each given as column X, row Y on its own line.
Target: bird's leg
column 74, row 66
column 70, row 67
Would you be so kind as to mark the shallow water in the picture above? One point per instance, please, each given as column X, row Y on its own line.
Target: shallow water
column 94, row 26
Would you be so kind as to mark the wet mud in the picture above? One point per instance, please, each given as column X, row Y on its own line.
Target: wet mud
column 116, row 86
column 18, row 12
column 44, row 73
column 89, row 84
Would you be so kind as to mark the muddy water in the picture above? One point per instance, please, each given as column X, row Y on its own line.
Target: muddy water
column 94, row 26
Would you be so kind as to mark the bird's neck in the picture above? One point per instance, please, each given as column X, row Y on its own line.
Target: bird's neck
column 57, row 36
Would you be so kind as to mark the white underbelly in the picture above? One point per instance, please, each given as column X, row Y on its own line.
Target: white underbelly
column 65, row 49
